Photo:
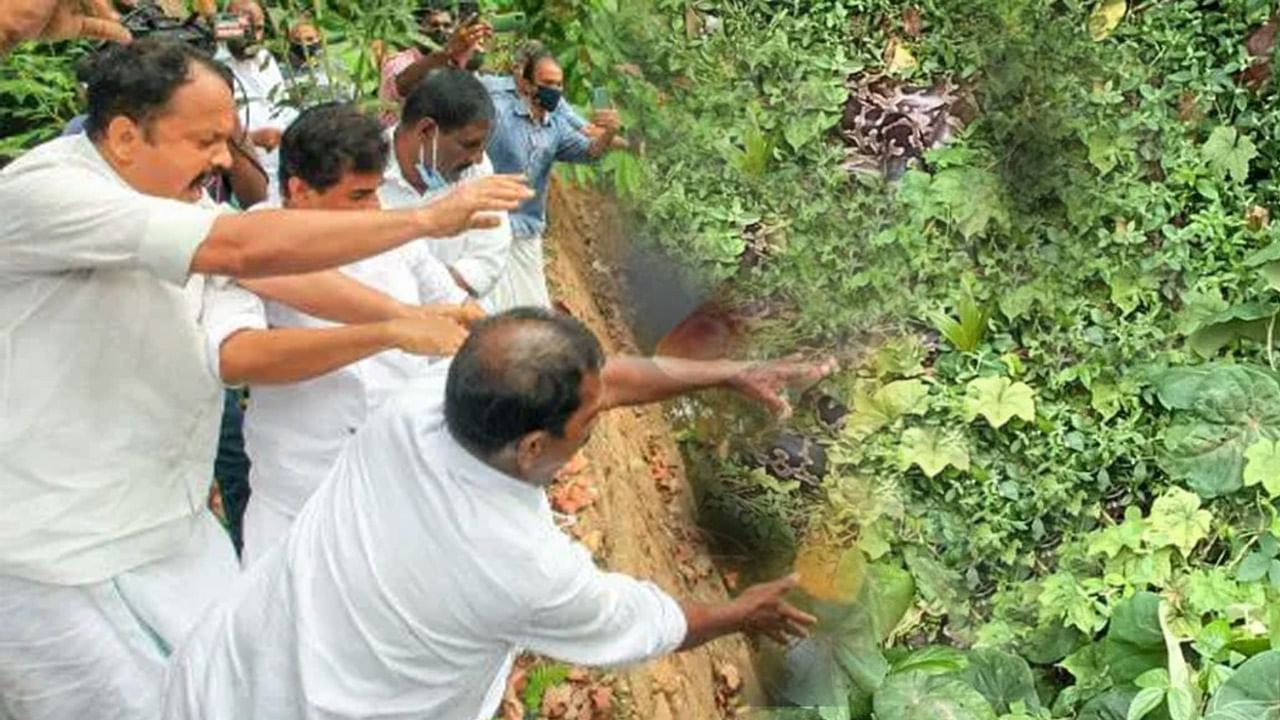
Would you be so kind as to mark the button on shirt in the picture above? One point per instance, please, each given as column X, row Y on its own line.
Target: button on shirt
column 519, row 145
column 293, row 433
column 405, row 588
column 480, row 256
column 108, row 411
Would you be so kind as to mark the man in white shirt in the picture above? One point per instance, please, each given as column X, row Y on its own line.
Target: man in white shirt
column 108, row 411
column 430, row 556
column 260, row 86
column 438, row 142
column 332, row 158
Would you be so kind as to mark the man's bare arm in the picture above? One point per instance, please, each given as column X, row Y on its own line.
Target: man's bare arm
column 287, row 242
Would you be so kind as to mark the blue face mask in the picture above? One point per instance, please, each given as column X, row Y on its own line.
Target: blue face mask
column 430, row 176
column 548, row 98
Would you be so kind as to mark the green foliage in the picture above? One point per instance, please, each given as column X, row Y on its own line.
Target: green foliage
column 540, row 679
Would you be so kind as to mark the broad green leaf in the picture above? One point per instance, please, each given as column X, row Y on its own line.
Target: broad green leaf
column 1153, row 678
column 970, row 198
column 1063, row 596
column 918, row 696
column 1182, row 704
column 1262, row 466
column 1177, row 520
column 1224, row 410
column 895, row 592
column 874, row 410
column 1267, row 260
column 933, row 660
column 1127, row 535
column 999, row 400
column 1246, row 321
column 1004, row 680
column 1105, row 18
column 1251, row 693
column 1229, row 152
column 1111, row 705
column 932, row 451
column 1134, row 643
column 1253, row 568
column 1144, row 702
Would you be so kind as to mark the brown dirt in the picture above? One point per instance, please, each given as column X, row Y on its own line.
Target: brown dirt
column 642, row 515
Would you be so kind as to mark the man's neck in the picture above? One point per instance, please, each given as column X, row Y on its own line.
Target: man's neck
column 406, row 151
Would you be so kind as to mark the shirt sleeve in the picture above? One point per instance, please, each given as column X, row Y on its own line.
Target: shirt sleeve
column 61, row 218
column 228, row 309
column 487, row 251
column 592, row 617
column 435, row 283
column 571, row 115
column 571, row 144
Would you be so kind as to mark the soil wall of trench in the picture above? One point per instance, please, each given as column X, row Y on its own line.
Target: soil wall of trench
column 637, row 507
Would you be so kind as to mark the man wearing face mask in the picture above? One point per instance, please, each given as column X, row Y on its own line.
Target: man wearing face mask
column 109, row 410
column 311, row 74
column 449, row 47
column 531, row 133
column 430, row 557
column 260, row 85
column 439, row 141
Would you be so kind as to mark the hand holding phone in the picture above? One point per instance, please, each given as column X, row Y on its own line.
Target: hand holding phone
column 600, row 98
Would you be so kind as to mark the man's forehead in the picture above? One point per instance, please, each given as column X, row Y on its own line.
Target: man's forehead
column 203, row 101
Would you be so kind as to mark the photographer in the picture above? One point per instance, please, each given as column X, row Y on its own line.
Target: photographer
column 108, row 411
column 260, row 85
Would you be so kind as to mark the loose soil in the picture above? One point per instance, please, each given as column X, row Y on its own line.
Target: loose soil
column 632, row 502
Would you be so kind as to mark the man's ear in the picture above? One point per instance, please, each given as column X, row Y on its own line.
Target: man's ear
column 529, row 449
column 296, row 189
column 121, row 136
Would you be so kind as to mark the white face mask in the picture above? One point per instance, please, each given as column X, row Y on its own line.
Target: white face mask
column 431, row 177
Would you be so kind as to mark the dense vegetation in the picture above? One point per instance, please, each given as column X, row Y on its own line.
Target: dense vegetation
column 1054, row 492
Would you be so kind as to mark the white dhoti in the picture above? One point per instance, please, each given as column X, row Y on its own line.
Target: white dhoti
column 265, row 524
column 71, row 652
column 525, row 281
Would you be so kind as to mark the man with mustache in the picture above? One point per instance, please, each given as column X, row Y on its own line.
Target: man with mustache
column 108, row 410
column 440, row 141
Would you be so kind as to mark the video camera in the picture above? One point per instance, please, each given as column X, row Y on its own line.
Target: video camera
column 149, row 20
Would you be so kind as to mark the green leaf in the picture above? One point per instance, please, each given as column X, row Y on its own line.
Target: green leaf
column 1262, row 466
column 1246, row 321
column 1253, row 568
column 999, row 400
column 932, row 451
column 919, row 696
column 965, row 333
column 1128, row 535
column 1182, row 704
column 1144, row 702
column 1112, row 705
column 933, row 660
column 1251, row 693
column 1134, row 643
column 1003, row 679
column 1153, row 678
column 1177, row 520
column 1229, row 153
column 1225, row 409
column 873, row 411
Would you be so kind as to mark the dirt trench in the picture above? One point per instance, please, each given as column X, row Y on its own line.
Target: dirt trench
column 640, row 520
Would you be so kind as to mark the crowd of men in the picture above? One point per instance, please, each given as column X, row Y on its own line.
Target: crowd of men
column 376, row 283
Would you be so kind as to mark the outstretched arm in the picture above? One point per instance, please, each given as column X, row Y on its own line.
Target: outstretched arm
column 630, row 380
column 278, row 356
column 760, row 608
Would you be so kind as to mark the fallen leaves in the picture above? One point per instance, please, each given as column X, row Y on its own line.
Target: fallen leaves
column 574, row 489
column 728, row 688
column 1105, row 18
column 1260, row 44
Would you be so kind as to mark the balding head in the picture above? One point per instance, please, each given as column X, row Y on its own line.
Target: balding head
column 526, row 384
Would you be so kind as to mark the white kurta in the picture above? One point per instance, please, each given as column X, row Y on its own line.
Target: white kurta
column 481, row 257
column 262, row 100
column 293, row 433
column 404, row 589
column 108, row 428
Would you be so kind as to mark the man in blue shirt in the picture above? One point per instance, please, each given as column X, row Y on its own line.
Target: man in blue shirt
column 533, row 129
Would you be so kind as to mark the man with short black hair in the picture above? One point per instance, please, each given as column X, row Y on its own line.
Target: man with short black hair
column 439, row 142
column 331, row 158
column 108, row 408
column 454, row 47
column 451, row 476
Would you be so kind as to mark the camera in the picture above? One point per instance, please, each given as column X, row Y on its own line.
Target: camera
column 148, row 20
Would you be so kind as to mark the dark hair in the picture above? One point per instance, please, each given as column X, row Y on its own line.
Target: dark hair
column 517, row 373
column 328, row 141
column 139, row 79
column 453, row 98
column 532, row 59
